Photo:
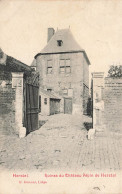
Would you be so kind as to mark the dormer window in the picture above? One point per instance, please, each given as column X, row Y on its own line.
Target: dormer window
column 59, row 42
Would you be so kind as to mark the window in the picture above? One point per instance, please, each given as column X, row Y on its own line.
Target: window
column 68, row 68
column 62, row 69
column 49, row 67
column 65, row 66
column 62, row 62
column 62, row 66
column 49, row 90
column 59, row 42
column 49, row 70
column 45, row 100
column 70, row 92
column 67, row 61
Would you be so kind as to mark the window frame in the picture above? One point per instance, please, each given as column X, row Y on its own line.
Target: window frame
column 59, row 43
column 62, row 69
column 65, row 66
column 49, row 90
column 49, row 67
column 45, row 101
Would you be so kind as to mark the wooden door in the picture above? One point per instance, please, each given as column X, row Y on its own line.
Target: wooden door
column 31, row 108
column 31, row 102
column 68, row 105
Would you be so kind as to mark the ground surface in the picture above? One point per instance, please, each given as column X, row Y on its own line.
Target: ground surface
column 60, row 144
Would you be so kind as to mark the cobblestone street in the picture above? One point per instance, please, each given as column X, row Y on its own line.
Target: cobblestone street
column 61, row 144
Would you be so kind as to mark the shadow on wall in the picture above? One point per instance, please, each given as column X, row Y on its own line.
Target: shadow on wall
column 88, row 125
column 42, row 122
column 89, row 107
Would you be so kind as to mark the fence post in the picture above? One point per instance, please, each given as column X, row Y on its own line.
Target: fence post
column 97, row 86
column 17, row 82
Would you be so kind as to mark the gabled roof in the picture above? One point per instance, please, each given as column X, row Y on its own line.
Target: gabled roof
column 69, row 44
column 14, row 65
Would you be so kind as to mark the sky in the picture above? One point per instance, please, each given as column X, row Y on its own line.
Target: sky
column 95, row 24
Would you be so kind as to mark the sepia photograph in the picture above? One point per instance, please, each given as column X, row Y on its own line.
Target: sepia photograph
column 60, row 96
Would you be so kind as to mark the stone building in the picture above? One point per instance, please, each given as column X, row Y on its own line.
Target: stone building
column 51, row 103
column 64, row 70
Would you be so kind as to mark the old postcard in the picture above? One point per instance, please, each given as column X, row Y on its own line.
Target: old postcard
column 60, row 96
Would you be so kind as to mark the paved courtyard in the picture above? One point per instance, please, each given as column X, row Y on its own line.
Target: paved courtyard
column 61, row 144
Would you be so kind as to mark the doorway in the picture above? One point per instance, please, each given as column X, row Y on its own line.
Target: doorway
column 67, row 105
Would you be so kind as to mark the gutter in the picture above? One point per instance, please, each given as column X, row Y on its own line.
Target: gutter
column 79, row 51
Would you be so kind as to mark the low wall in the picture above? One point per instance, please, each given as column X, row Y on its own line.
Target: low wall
column 107, row 103
column 113, row 104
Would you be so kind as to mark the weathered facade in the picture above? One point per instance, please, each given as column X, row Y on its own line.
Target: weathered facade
column 107, row 102
column 64, row 69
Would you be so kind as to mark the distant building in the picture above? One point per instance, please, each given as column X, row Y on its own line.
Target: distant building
column 64, row 70
column 50, row 104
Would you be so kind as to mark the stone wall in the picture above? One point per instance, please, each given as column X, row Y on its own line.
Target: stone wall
column 72, row 82
column 11, row 103
column 107, row 103
column 113, row 104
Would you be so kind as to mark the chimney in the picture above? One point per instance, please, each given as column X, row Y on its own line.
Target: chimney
column 51, row 32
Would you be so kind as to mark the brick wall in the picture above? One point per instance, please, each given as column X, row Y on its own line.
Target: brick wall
column 113, row 104
column 7, row 109
column 107, row 91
